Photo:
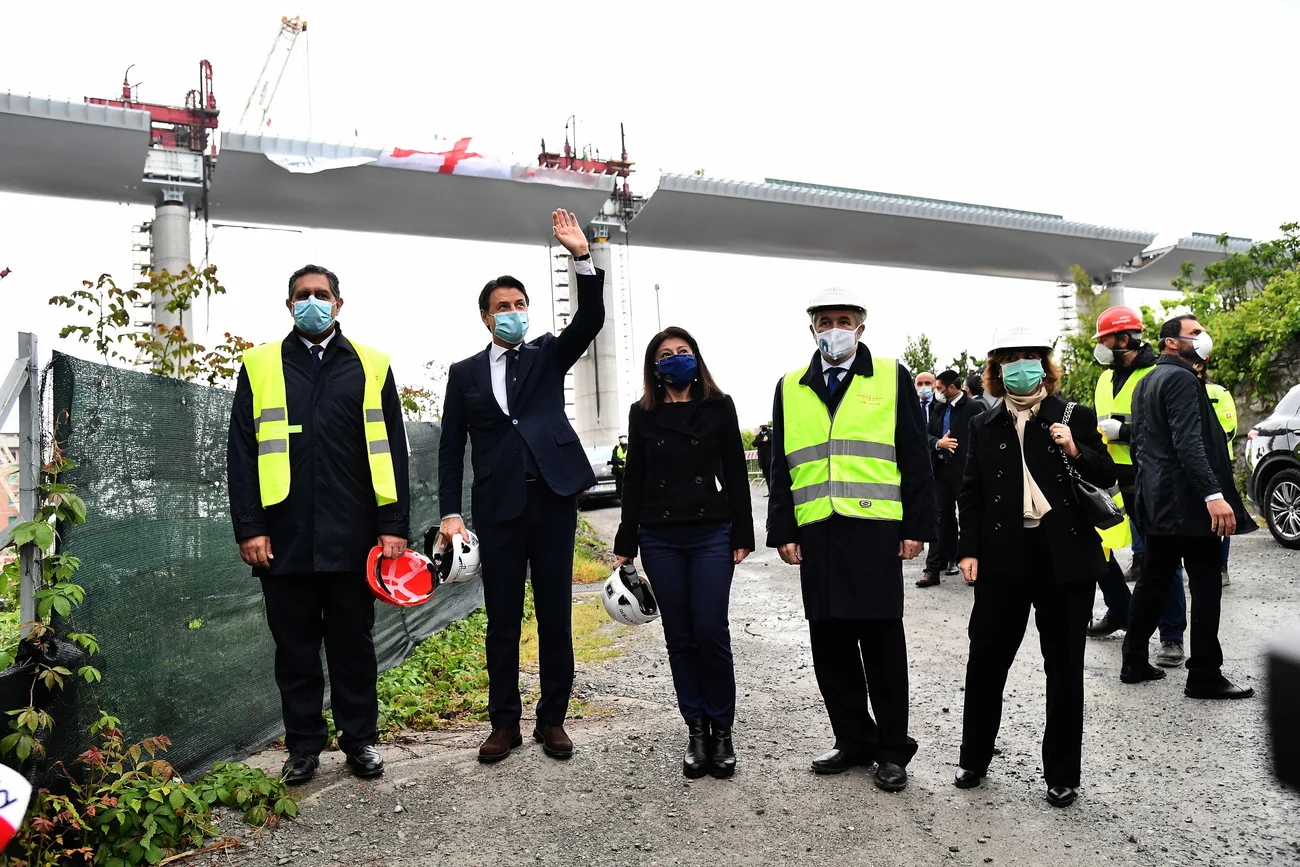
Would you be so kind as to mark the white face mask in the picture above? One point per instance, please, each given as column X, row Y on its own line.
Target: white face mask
column 1104, row 354
column 1203, row 344
column 837, row 343
column 941, row 397
column 925, row 392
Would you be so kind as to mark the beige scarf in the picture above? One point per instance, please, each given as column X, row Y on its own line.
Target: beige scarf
column 1022, row 409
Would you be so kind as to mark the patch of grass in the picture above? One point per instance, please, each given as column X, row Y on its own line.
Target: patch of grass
column 588, row 571
column 445, row 681
column 590, row 554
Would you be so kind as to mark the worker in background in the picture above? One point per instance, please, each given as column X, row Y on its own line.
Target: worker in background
column 975, row 390
column 1187, row 501
column 529, row 466
column 1127, row 360
column 852, row 497
column 763, row 448
column 618, row 463
column 925, row 393
column 317, row 467
column 1225, row 410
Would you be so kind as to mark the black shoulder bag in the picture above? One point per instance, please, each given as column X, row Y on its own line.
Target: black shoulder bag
column 1097, row 506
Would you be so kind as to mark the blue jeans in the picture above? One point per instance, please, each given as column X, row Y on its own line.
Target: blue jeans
column 1173, row 619
column 1115, row 591
column 690, row 568
column 1227, row 546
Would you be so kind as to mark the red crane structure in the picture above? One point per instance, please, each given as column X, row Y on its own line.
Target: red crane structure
column 174, row 127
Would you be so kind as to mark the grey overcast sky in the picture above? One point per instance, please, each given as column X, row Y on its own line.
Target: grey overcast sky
column 1145, row 114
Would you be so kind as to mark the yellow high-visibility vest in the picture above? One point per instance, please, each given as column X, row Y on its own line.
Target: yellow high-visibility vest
column 844, row 465
column 1225, row 408
column 1120, row 535
column 265, row 367
column 1119, row 406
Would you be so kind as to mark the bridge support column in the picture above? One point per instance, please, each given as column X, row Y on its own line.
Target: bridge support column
column 600, row 415
column 170, row 239
column 1115, row 293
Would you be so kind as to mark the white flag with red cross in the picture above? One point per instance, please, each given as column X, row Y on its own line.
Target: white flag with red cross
column 459, row 159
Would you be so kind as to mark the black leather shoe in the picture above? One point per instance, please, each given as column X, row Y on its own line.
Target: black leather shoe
column 366, row 762
column 929, row 579
column 1062, row 796
column 300, row 768
column 967, row 779
column 952, row 569
column 722, row 757
column 837, row 761
column 1138, row 674
column 1222, row 689
column 696, row 762
column 891, row 777
column 1103, row 627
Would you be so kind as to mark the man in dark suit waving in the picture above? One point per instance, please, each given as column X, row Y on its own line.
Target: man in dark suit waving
column 528, row 469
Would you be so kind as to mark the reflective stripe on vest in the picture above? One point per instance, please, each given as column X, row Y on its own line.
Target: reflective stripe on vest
column 265, row 367
column 1224, row 407
column 1118, row 406
column 844, row 464
column 1120, row 535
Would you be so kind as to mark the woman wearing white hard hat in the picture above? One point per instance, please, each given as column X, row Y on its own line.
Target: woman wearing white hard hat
column 1025, row 541
column 686, row 508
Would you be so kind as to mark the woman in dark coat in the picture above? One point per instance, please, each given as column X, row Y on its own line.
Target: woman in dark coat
column 686, row 507
column 1024, row 541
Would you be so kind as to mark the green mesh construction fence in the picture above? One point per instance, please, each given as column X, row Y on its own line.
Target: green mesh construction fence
column 181, row 624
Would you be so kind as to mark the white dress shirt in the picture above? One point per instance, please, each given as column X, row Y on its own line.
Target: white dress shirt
column 324, row 344
column 846, row 365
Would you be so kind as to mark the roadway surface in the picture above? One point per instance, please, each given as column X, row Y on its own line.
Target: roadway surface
column 1167, row 780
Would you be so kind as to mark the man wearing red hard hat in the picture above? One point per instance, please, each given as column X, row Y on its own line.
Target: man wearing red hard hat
column 1128, row 359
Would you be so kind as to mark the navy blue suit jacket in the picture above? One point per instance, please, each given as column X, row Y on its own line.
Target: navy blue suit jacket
column 537, row 417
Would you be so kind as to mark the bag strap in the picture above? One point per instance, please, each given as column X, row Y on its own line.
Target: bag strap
column 1069, row 410
column 1069, row 466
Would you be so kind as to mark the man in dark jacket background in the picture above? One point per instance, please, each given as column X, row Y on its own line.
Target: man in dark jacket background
column 310, row 548
column 850, row 567
column 763, row 446
column 1186, row 502
column 949, row 423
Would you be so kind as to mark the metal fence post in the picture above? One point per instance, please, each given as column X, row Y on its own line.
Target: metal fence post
column 29, row 474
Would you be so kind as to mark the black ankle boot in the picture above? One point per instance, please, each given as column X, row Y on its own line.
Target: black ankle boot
column 722, row 762
column 698, row 749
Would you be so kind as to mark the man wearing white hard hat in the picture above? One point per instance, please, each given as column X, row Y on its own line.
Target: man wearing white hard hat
column 852, row 496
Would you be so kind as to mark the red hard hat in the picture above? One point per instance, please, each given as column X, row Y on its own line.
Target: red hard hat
column 1116, row 319
column 404, row 581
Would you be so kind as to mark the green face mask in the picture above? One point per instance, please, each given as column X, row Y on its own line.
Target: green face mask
column 1022, row 376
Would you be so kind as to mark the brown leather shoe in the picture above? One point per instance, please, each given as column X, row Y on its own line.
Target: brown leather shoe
column 555, row 743
column 499, row 744
column 929, row 579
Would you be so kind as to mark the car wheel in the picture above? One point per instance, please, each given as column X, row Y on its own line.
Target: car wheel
column 1282, row 507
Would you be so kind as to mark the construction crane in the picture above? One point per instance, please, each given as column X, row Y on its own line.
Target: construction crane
column 259, row 101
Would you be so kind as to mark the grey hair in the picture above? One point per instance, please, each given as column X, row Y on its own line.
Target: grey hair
column 862, row 316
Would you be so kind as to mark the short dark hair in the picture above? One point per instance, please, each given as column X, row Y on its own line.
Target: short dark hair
column 505, row 281
column 316, row 269
column 975, row 383
column 1173, row 328
column 948, row 377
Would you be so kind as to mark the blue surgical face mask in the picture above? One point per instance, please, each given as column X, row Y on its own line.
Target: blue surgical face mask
column 1022, row 376
column 511, row 327
column 313, row 315
column 678, row 370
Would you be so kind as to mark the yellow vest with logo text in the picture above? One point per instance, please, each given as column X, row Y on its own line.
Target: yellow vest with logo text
column 1225, row 408
column 1119, row 406
column 271, row 422
column 844, row 464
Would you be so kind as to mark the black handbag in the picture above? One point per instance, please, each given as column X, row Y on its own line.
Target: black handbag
column 1098, row 507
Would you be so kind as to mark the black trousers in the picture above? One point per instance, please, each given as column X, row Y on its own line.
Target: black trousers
column 946, row 485
column 538, row 543
column 1201, row 556
column 997, row 627
column 338, row 610
column 861, row 662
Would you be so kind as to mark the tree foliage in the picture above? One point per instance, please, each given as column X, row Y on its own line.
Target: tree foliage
column 918, row 356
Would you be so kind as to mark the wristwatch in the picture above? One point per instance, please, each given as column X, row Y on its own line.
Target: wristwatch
column 583, row 258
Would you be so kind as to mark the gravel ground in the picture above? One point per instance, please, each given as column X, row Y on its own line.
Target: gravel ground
column 1167, row 780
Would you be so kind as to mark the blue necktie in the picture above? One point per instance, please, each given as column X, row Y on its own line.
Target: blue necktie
column 317, row 351
column 833, row 380
column 947, row 419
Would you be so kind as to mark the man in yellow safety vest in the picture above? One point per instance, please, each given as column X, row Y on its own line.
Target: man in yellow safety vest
column 1128, row 360
column 1225, row 410
column 852, row 496
column 317, row 466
